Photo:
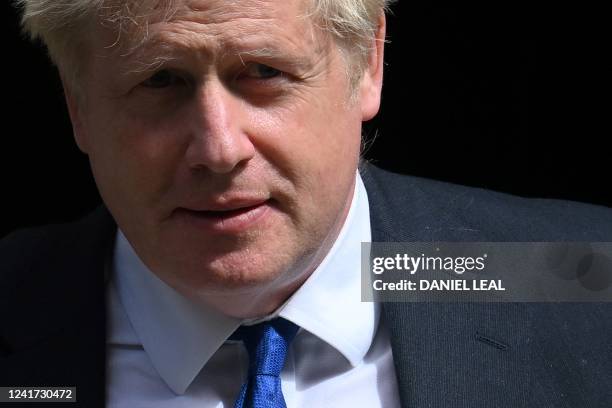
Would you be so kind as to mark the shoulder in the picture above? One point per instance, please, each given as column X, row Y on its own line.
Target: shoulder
column 52, row 292
column 416, row 208
column 39, row 255
column 22, row 249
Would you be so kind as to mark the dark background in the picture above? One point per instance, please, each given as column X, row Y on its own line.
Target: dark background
column 509, row 97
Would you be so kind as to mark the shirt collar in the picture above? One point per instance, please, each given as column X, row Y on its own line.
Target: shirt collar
column 329, row 303
column 180, row 335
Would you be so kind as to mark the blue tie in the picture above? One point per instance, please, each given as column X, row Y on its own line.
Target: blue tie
column 267, row 344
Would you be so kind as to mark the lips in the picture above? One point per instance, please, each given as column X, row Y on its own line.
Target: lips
column 229, row 217
column 226, row 213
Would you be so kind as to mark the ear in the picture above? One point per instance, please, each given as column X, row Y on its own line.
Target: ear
column 75, row 110
column 371, row 81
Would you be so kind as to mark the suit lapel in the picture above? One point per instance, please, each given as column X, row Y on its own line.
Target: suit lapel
column 448, row 354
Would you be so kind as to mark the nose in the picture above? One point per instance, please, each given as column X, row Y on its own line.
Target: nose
column 218, row 142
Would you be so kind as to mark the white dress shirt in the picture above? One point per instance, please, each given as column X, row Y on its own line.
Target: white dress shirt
column 167, row 351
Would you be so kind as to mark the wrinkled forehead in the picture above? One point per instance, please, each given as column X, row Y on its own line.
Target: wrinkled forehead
column 129, row 27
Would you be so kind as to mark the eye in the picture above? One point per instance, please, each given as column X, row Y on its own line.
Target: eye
column 260, row 71
column 162, row 79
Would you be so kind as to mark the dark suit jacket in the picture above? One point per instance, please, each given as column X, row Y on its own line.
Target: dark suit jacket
column 52, row 305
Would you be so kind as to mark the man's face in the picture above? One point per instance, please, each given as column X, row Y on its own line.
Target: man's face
column 225, row 146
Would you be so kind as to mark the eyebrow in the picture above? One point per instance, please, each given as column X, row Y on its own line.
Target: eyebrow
column 156, row 51
column 272, row 54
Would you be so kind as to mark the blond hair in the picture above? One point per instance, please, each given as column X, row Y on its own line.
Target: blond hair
column 63, row 26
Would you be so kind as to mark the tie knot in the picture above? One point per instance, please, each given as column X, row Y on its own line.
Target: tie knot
column 267, row 344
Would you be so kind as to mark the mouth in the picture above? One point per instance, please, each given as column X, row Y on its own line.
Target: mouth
column 227, row 218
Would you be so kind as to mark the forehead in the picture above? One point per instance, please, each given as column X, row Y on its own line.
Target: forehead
column 211, row 26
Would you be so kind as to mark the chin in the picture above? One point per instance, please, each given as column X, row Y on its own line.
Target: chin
column 237, row 272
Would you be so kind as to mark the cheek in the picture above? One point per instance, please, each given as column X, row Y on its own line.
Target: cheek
column 315, row 149
column 328, row 145
column 310, row 138
column 133, row 164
